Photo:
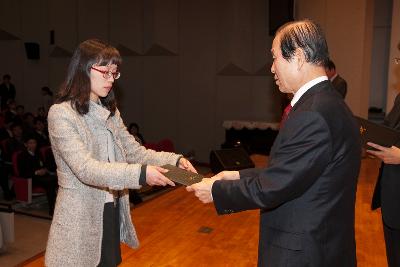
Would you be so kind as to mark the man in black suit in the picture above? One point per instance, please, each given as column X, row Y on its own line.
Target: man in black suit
column 387, row 189
column 338, row 82
column 306, row 195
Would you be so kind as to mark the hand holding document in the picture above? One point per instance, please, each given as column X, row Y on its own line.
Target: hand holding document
column 156, row 176
column 181, row 176
column 377, row 133
column 203, row 189
column 227, row 175
column 389, row 155
column 185, row 164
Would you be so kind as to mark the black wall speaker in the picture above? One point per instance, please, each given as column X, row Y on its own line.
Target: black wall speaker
column 280, row 12
column 32, row 50
column 230, row 159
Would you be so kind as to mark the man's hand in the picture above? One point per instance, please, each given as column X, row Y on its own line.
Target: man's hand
column 389, row 155
column 186, row 165
column 155, row 176
column 227, row 175
column 202, row 190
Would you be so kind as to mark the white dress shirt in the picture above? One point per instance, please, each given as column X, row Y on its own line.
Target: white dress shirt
column 305, row 88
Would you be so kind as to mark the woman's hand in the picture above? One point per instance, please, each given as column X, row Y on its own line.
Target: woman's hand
column 389, row 155
column 186, row 165
column 155, row 176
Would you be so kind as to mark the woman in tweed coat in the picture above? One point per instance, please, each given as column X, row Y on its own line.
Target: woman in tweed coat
column 97, row 162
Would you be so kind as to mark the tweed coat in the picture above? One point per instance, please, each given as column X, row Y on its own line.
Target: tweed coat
column 79, row 144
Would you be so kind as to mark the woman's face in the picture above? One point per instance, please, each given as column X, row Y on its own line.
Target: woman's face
column 100, row 86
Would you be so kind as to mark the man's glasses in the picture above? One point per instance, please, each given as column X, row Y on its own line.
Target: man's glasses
column 107, row 74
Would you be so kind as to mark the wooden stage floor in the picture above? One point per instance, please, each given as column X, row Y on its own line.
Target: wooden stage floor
column 175, row 229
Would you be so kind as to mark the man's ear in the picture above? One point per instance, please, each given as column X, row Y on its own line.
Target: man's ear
column 300, row 58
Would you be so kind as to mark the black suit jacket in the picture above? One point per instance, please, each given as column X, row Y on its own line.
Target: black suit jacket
column 387, row 189
column 340, row 85
column 307, row 193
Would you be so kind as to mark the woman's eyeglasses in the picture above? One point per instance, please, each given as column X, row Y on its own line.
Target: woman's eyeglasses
column 107, row 74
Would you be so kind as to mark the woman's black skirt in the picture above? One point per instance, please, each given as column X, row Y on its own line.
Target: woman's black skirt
column 110, row 245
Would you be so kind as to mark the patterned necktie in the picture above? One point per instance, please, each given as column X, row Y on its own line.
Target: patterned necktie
column 285, row 114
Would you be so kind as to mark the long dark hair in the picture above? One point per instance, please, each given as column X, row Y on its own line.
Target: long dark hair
column 76, row 87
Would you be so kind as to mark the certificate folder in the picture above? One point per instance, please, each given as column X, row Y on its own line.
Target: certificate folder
column 377, row 133
column 181, row 176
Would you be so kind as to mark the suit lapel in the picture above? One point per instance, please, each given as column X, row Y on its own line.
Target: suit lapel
column 324, row 85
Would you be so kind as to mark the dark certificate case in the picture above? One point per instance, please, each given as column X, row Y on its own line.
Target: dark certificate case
column 377, row 133
column 181, row 176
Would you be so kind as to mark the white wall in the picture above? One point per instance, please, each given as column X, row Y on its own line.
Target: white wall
column 197, row 63
column 348, row 29
column 380, row 53
column 174, row 86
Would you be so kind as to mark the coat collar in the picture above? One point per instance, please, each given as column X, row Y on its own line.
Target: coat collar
column 98, row 111
column 324, row 85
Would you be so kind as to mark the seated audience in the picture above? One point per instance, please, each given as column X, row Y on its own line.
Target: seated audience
column 8, row 147
column 133, row 129
column 42, row 114
column 5, row 132
column 40, row 133
column 28, row 125
column 10, row 114
column 20, row 112
column 15, row 143
column 4, row 183
column 31, row 166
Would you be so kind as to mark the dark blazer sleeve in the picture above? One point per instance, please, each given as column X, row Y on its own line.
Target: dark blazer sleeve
column 300, row 158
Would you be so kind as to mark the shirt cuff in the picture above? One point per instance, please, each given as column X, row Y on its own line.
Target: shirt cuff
column 142, row 177
column 211, row 190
